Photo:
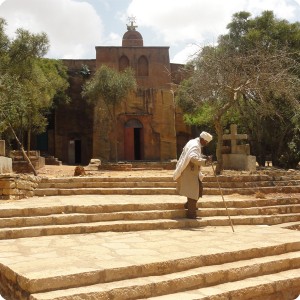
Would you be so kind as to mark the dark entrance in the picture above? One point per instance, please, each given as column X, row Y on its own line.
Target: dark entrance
column 77, row 151
column 133, row 140
column 74, row 152
column 42, row 142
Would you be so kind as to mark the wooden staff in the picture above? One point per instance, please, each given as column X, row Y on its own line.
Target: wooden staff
column 223, row 198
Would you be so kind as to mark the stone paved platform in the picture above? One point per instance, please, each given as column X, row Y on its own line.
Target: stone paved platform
column 41, row 262
column 55, row 256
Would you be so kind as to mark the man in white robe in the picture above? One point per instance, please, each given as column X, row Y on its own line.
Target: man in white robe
column 188, row 172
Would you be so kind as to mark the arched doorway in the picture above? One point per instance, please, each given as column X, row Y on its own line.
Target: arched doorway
column 133, row 140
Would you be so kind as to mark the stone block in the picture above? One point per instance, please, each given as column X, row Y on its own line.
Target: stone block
column 8, row 184
column 244, row 272
column 5, row 165
column 94, row 164
column 10, row 191
column 239, row 162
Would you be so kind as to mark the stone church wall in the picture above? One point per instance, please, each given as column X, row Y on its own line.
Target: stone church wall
column 74, row 121
column 149, row 126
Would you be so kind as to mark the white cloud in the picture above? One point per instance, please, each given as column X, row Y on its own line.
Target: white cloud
column 113, row 39
column 283, row 9
column 192, row 20
column 186, row 53
column 201, row 21
column 73, row 28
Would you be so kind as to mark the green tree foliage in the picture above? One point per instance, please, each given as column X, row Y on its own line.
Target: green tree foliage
column 111, row 87
column 282, row 102
column 244, row 72
column 29, row 84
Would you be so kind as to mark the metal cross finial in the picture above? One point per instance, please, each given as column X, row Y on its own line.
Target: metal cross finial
column 132, row 20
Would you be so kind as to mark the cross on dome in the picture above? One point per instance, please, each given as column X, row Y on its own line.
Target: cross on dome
column 132, row 20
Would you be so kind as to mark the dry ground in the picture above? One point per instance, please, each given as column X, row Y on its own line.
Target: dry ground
column 67, row 171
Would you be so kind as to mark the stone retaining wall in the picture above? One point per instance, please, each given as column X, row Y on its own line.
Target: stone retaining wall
column 15, row 187
column 24, row 167
column 168, row 165
column 10, row 289
column 115, row 167
column 20, row 165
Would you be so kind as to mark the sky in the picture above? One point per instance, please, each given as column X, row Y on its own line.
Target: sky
column 75, row 27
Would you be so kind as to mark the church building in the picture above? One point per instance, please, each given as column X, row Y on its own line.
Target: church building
column 149, row 125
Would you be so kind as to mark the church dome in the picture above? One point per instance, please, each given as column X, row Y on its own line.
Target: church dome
column 132, row 38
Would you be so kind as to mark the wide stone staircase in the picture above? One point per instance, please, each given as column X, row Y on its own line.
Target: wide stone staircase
column 136, row 216
column 128, row 238
column 278, row 182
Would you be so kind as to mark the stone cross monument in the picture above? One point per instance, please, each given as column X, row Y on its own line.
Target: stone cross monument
column 239, row 157
column 234, row 137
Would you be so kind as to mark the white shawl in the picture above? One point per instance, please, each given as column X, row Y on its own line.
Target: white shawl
column 191, row 149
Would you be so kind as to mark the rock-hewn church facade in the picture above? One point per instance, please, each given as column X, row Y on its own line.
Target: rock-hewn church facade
column 149, row 125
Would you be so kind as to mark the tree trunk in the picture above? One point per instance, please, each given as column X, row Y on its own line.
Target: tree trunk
column 23, row 151
column 115, row 133
column 116, row 144
column 219, row 131
column 28, row 141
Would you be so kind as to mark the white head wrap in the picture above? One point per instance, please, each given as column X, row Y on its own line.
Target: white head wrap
column 206, row 136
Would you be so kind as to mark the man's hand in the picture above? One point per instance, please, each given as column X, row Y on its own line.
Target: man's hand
column 208, row 160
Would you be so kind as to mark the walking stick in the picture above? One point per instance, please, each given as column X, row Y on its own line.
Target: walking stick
column 222, row 197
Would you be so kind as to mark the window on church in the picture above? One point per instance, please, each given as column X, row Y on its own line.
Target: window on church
column 123, row 63
column 143, row 68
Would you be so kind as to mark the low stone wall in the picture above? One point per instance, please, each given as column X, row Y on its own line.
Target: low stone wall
column 160, row 165
column 17, row 186
column 128, row 166
column 115, row 167
column 24, row 167
column 20, row 165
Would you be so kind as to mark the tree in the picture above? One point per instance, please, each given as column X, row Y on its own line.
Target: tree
column 29, row 84
column 233, row 71
column 281, row 112
column 47, row 87
column 110, row 87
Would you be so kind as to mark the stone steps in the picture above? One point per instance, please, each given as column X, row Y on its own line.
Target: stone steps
column 63, row 215
column 137, row 225
column 105, row 191
column 194, row 276
column 278, row 286
column 140, row 203
column 253, row 190
column 244, row 185
column 64, row 252
column 75, row 219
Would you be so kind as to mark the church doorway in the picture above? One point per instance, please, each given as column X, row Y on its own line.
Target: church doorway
column 74, row 152
column 42, row 142
column 133, row 140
